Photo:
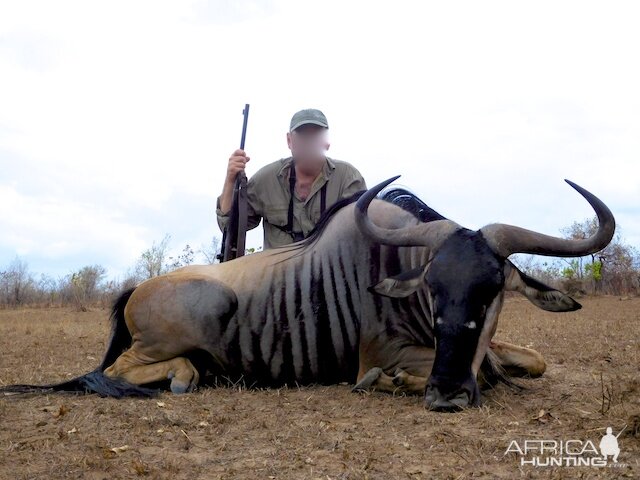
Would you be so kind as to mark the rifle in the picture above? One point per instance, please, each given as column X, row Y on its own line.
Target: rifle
column 234, row 236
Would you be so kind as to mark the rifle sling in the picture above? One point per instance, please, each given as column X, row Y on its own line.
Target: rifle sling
column 297, row 236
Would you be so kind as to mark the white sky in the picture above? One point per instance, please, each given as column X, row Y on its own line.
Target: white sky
column 117, row 118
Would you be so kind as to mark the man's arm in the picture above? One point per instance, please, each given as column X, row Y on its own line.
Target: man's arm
column 236, row 164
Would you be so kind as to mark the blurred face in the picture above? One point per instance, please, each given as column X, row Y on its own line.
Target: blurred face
column 308, row 145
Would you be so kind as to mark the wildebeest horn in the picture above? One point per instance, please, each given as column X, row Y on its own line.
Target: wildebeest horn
column 507, row 239
column 429, row 234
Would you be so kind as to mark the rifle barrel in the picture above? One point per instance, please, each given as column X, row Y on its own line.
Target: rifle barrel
column 245, row 113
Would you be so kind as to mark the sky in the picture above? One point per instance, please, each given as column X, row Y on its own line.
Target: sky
column 117, row 118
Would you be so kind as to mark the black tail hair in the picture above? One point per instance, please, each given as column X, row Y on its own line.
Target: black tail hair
column 494, row 373
column 92, row 382
column 120, row 336
column 96, row 381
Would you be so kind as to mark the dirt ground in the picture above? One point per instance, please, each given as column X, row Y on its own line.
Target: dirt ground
column 321, row 432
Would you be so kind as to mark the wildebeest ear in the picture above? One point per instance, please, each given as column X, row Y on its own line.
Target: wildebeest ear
column 401, row 285
column 541, row 295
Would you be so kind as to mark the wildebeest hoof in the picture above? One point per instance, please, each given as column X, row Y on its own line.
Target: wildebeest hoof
column 400, row 377
column 368, row 380
column 179, row 387
column 184, row 383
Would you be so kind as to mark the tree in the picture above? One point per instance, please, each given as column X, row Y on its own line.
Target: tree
column 613, row 270
column 47, row 289
column 183, row 259
column 620, row 267
column 151, row 261
column 580, row 231
column 16, row 283
column 210, row 252
column 85, row 284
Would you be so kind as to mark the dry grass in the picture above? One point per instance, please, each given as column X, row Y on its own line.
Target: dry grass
column 318, row 432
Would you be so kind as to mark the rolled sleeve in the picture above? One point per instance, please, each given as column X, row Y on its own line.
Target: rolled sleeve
column 223, row 218
column 253, row 218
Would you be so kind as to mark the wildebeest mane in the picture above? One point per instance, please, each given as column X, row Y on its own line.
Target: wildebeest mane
column 326, row 216
column 411, row 203
column 397, row 196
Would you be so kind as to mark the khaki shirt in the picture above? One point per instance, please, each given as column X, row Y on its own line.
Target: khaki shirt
column 268, row 198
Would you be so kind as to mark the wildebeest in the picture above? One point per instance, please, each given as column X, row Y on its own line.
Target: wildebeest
column 374, row 296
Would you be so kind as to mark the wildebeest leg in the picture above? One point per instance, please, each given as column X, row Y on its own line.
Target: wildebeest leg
column 518, row 361
column 409, row 365
column 376, row 379
column 170, row 317
column 401, row 382
column 368, row 380
column 140, row 369
column 410, row 383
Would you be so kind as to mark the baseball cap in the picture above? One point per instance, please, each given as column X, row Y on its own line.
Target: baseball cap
column 308, row 116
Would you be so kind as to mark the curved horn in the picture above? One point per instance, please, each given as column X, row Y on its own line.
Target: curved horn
column 429, row 234
column 507, row 239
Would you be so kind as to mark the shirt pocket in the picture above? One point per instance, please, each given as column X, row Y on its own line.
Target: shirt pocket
column 277, row 216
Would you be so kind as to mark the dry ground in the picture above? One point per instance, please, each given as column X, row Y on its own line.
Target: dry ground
column 319, row 432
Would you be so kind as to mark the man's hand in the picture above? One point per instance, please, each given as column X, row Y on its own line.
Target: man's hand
column 237, row 163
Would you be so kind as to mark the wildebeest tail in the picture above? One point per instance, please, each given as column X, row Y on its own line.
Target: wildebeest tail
column 92, row 382
column 494, row 373
column 120, row 336
column 96, row 381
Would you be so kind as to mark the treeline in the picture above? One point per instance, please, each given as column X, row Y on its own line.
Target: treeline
column 613, row 271
column 89, row 285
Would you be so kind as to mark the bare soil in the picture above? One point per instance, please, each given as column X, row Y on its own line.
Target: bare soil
column 323, row 432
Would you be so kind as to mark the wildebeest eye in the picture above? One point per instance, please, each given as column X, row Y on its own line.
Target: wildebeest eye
column 483, row 311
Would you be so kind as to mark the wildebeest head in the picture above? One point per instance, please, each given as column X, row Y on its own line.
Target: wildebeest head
column 465, row 279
